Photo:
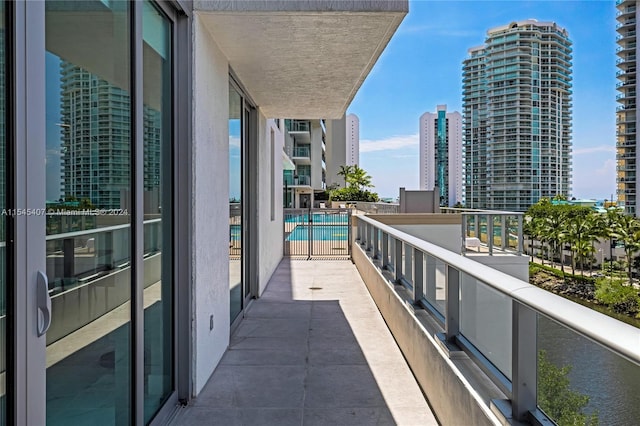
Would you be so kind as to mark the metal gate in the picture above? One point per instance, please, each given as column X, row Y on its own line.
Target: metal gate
column 317, row 233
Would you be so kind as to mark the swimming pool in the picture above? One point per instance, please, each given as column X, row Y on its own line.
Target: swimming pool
column 318, row 218
column 320, row 233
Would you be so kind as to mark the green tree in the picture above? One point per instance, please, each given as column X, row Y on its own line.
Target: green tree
column 345, row 172
column 627, row 230
column 555, row 397
column 359, row 178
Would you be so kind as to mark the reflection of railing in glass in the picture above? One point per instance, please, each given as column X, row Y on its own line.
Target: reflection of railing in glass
column 80, row 257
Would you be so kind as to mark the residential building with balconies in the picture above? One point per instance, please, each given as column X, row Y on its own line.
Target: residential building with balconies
column 517, row 105
column 626, row 113
column 441, row 154
column 305, row 144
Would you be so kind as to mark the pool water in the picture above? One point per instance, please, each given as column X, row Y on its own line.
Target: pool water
column 319, row 233
column 319, row 218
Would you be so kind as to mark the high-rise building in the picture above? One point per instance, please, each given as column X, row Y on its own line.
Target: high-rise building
column 626, row 115
column 96, row 151
column 343, row 147
column 353, row 140
column 517, row 116
column 305, row 144
column 441, row 154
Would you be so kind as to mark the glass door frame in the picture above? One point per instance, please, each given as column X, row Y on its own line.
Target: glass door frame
column 26, row 364
column 249, row 185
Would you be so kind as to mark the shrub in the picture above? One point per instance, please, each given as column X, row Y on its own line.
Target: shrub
column 353, row 194
column 622, row 299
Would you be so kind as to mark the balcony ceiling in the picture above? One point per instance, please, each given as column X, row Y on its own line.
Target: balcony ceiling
column 302, row 59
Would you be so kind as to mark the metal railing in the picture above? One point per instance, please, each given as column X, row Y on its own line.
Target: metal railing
column 462, row 294
column 301, row 151
column 492, row 229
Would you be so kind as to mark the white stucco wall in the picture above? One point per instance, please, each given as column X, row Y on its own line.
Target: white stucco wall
column 210, row 166
column 269, row 164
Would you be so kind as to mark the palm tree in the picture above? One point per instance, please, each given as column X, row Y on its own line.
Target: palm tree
column 578, row 234
column 345, row 171
column 359, row 178
column 628, row 231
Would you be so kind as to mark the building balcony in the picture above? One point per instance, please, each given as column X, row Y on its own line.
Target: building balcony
column 626, row 60
column 301, row 155
column 297, row 181
column 313, row 349
column 329, row 337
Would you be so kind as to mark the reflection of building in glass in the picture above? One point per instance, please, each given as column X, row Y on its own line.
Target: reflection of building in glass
column 517, row 116
column 96, row 139
column 441, row 154
column 2, row 128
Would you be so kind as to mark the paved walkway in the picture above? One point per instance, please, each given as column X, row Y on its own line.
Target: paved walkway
column 313, row 350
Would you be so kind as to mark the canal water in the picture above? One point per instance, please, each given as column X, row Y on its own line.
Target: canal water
column 612, row 383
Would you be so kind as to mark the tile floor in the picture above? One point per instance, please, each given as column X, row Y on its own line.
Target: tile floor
column 313, row 350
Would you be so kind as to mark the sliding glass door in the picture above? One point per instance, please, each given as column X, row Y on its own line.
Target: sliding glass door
column 3, row 217
column 242, row 209
column 109, row 203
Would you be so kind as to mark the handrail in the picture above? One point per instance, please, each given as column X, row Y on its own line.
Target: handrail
column 614, row 335
column 74, row 234
column 479, row 211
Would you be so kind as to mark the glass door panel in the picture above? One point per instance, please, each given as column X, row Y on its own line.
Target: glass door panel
column 236, row 231
column 88, row 187
column 158, row 206
column 3, row 205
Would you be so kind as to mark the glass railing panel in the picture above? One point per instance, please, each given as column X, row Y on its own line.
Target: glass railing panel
column 485, row 320
column 435, row 273
column 580, row 382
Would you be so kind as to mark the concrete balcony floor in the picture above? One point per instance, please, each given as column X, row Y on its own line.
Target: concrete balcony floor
column 313, row 350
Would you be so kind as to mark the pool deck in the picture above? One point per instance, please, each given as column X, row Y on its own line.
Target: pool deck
column 313, row 350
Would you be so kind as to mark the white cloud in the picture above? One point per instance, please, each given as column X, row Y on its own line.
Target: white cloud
column 608, row 169
column 592, row 149
column 394, row 142
column 234, row 141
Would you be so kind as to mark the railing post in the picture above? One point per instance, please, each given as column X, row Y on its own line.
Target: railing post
column 524, row 361
column 520, row 235
column 385, row 250
column 463, row 233
column 503, row 232
column 376, row 243
column 418, row 276
column 476, row 227
column 370, row 231
column 490, row 232
column 392, row 253
column 366, row 237
column 430, row 279
column 398, row 260
column 359, row 230
column 452, row 294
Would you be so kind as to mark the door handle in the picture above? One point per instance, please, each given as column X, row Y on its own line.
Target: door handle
column 44, row 303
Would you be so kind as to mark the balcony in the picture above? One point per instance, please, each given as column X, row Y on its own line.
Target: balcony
column 312, row 350
column 330, row 343
column 297, row 180
column 300, row 130
column 302, row 155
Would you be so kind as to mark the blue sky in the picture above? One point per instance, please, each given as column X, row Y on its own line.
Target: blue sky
column 422, row 67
